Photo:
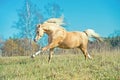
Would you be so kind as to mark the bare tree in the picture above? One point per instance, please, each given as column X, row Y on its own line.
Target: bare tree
column 29, row 16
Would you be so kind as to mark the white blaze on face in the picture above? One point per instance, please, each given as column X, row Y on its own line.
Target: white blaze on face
column 39, row 33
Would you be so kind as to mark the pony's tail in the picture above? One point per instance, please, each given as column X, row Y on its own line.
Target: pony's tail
column 92, row 33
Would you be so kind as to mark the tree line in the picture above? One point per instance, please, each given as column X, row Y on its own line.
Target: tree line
column 22, row 47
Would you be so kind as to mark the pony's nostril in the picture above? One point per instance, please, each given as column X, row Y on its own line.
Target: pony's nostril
column 35, row 40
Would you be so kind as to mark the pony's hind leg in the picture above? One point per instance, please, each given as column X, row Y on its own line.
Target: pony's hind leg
column 89, row 56
column 86, row 54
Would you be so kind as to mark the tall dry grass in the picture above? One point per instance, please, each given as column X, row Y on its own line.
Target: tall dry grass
column 104, row 66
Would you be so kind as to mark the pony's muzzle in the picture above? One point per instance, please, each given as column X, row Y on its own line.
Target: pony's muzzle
column 35, row 40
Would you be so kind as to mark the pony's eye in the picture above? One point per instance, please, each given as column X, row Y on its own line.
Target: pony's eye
column 37, row 32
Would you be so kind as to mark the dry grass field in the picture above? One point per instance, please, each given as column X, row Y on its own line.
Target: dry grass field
column 103, row 66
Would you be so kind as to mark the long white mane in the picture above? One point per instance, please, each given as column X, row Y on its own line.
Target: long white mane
column 58, row 21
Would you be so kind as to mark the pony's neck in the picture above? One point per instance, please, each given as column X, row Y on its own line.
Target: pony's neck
column 51, row 28
column 48, row 31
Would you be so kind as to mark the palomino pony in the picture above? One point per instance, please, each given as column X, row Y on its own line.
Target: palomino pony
column 59, row 37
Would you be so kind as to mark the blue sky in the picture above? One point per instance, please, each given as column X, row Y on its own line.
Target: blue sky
column 101, row 15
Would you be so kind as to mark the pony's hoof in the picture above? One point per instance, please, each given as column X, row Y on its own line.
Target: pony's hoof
column 32, row 56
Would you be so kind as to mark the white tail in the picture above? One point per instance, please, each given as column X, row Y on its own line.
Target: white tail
column 58, row 21
column 92, row 33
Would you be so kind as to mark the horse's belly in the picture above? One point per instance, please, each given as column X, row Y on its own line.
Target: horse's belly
column 69, row 45
column 64, row 46
column 72, row 40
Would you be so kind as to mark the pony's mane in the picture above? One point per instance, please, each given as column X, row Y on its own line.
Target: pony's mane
column 59, row 21
column 54, row 25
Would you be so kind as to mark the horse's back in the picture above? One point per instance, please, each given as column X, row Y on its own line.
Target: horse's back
column 77, row 35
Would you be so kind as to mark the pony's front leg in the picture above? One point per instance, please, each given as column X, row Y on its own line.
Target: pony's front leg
column 51, row 47
column 50, row 54
column 32, row 56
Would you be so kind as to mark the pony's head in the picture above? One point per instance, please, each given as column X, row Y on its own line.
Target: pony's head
column 39, row 32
